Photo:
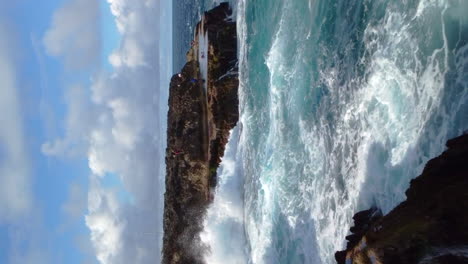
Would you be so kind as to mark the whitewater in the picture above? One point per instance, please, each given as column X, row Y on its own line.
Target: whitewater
column 341, row 104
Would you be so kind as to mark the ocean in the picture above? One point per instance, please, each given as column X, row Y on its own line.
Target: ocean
column 342, row 102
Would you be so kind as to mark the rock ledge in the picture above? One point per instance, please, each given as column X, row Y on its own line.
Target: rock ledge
column 201, row 114
column 430, row 227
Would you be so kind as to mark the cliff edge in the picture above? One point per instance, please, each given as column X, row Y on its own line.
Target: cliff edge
column 203, row 108
column 430, row 227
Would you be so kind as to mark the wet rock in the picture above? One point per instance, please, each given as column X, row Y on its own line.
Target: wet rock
column 447, row 259
column 199, row 122
column 433, row 217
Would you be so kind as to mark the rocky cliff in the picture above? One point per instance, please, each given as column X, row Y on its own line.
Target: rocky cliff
column 203, row 108
column 430, row 227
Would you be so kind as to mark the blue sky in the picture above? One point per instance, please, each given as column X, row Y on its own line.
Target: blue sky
column 76, row 150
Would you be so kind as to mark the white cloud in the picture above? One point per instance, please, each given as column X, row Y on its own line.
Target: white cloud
column 129, row 140
column 75, row 33
column 103, row 220
column 131, row 24
column 73, row 210
column 127, row 127
column 15, row 178
column 126, row 137
column 122, row 233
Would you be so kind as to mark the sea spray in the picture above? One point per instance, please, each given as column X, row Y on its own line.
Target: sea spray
column 224, row 227
column 341, row 104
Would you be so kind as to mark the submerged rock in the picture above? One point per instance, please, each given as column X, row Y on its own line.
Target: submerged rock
column 201, row 114
column 430, row 227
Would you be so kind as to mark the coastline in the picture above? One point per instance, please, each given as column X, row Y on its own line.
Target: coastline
column 429, row 227
column 203, row 108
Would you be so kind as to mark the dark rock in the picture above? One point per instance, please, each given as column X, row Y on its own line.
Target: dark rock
column 340, row 256
column 448, row 259
column 362, row 221
column 434, row 216
column 198, row 128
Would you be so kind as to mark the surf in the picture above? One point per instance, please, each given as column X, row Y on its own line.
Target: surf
column 341, row 105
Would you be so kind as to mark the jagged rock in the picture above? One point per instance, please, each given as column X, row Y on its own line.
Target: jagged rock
column 362, row 221
column 430, row 227
column 199, row 122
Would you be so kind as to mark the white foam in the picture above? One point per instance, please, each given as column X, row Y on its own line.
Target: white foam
column 302, row 198
column 381, row 125
column 203, row 48
column 369, row 155
column 224, row 224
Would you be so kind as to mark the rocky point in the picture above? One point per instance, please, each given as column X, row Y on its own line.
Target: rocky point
column 430, row 227
column 203, row 108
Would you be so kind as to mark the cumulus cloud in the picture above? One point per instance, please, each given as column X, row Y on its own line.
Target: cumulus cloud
column 124, row 136
column 15, row 178
column 107, row 226
column 131, row 24
column 73, row 210
column 128, row 140
column 75, row 33
column 122, row 234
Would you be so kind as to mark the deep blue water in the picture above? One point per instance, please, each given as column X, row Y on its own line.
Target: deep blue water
column 341, row 104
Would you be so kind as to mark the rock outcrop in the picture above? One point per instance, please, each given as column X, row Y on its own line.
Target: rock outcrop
column 430, row 227
column 201, row 114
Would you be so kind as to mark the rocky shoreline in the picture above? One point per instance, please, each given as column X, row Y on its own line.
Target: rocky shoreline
column 203, row 108
column 430, row 227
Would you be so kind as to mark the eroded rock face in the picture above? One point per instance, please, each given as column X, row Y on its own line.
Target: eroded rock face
column 199, row 122
column 430, row 227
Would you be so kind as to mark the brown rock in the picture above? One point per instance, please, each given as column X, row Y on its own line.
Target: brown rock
column 199, row 122
column 433, row 219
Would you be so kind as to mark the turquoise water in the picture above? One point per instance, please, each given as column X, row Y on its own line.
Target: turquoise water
column 341, row 104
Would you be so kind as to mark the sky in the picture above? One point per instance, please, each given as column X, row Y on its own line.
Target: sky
column 83, row 97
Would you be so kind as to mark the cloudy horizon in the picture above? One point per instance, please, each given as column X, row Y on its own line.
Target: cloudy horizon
column 84, row 93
